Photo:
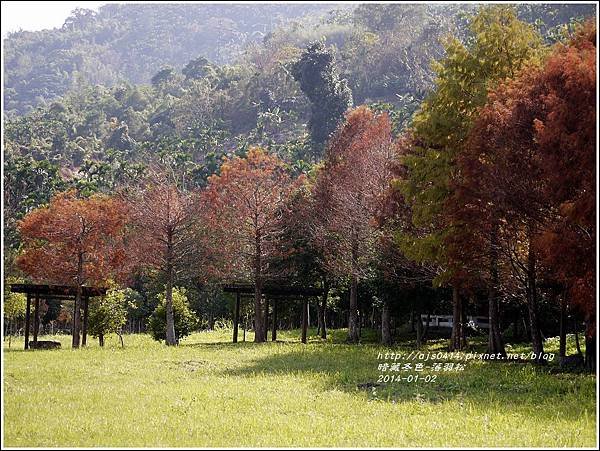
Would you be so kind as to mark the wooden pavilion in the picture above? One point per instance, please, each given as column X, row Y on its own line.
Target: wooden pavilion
column 38, row 292
column 275, row 292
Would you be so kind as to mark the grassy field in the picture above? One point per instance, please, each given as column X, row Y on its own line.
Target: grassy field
column 209, row 392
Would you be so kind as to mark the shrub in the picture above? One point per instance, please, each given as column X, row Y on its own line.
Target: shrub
column 108, row 314
column 185, row 319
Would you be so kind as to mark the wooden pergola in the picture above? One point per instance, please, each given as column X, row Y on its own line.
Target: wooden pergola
column 52, row 292
column 272, row 291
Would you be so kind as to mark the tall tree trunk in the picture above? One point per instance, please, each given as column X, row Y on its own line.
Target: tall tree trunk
column 171, row 339
column 259, row 323
column 426, row 328
column 361, row 322
column 303, row 338
column 419, row 327
column 590, row 343
column 236, row 317
column 78, row 297
column 322, row 310
column 36, row 320
column 495, row 341
column 266, row 318
column 86, row 304
column 274, row 321
column 245, row 326
column 353, row 326
column 372, row 318
column 536, row 336
column 525, row 319
column 456, row 339
column 27, row 320
column 562, row 346
column 101, row 340
column 577, row 345
column 386, row 332
column 463, row 325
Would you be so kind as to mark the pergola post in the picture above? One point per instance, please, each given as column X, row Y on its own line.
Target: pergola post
column 86, row 302
column 36, row 320
column 276, row 291
column 236, row 317
column 27, row 320
column 304, row 318
column 274, row 322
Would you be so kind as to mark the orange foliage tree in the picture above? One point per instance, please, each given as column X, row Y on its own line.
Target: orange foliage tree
column 74, row 241
column 243, row 210
column 566, row 136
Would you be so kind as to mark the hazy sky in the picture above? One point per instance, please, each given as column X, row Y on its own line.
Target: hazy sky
column 39, row 15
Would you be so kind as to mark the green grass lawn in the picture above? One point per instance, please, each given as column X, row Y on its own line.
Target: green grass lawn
column 209, row 392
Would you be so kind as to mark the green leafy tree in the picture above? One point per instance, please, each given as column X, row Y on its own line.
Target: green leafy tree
column 185, row 318
column 329, row 95
column 200, row 68
column 27, row 185
column 165, row 75
column 108, row 314
column 14, row 305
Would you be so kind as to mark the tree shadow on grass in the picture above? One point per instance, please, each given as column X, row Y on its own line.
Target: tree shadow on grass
column 354, row 369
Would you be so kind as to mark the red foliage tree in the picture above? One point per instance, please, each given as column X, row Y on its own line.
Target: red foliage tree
column 243, row 209
column 394, row 219
column 566, row 137
column 349, row 192
column 74, row 241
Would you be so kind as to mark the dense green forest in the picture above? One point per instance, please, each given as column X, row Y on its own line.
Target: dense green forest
column 131, row 43
column 90, row 105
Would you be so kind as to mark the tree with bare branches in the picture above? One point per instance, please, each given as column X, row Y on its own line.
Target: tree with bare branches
column 162, row 217
column 349, row 190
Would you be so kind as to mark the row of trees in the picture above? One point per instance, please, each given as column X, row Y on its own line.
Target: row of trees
column 500, row 170
column 242, row 226
column 281, row 94
column 489, row 193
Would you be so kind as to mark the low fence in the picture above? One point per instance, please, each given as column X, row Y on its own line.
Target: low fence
column 446, row 321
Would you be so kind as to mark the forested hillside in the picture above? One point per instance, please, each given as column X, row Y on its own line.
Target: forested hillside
column 400, row 198
column 131, row 43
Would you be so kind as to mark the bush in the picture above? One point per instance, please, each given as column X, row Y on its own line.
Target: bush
column 185, row 319
column 108, row 314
